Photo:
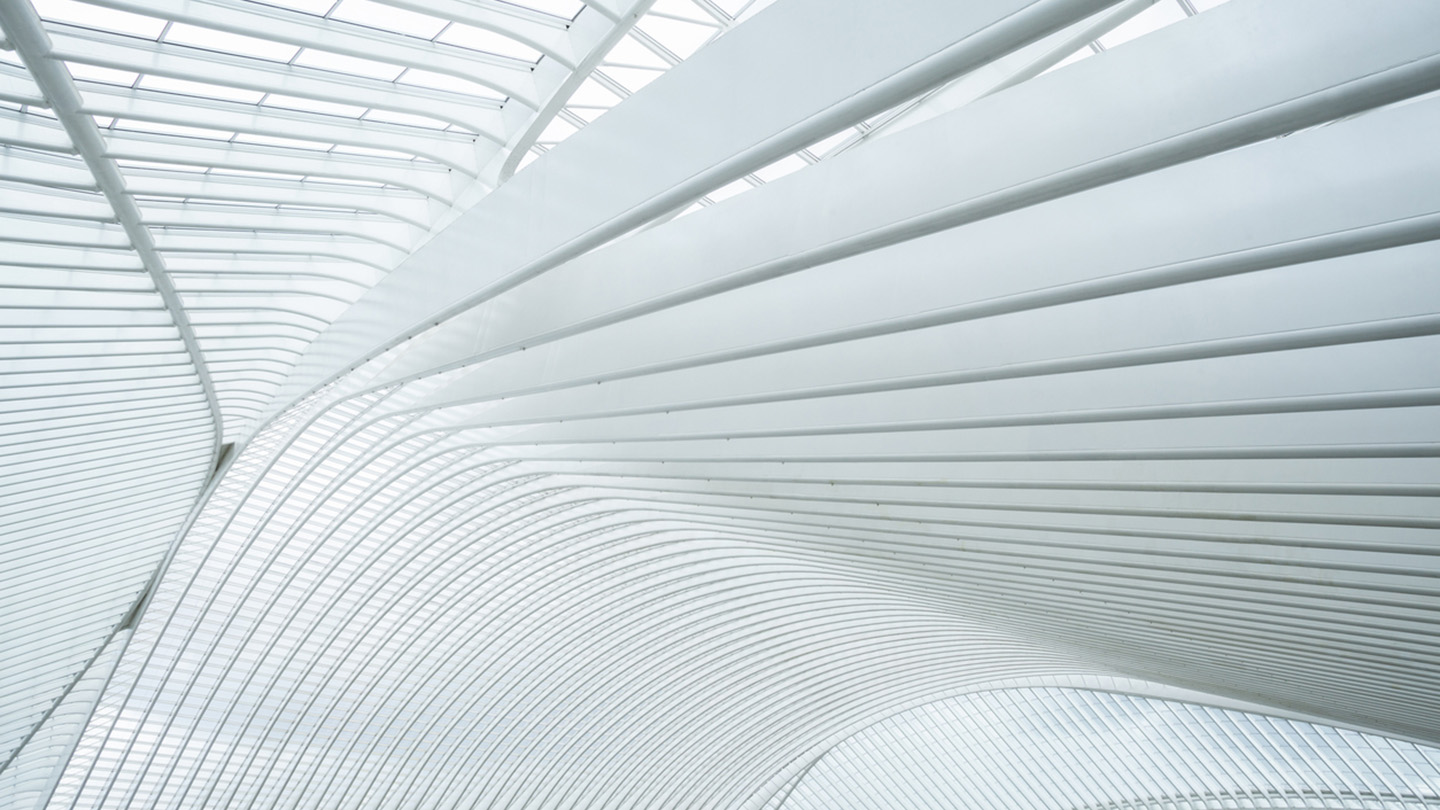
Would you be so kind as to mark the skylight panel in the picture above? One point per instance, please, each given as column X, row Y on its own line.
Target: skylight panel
column 680, row 37
column 594, row 94
column 825, row 146
column 566, row 9
column 786, row 165
column 587, row 114
column 208, row 202
column 344, row 181
column 731, row 7
column 95, row 73
column 102, row 19
column 201, row 89
column 632, row 79
column 683, row 9
column 174, row 129
column 224, row 42
column 1083, row 53
column 478, row 39
column 558, row 130
column 293, row 143
column 349, row 65
column 314, row 106
column 752, row 8
column 630, row 51
column 366, row 151
column 729, row 190
column 126, row 163
column 406, row 119
column 443, row 81
column 317, row 7
column 388, row 18
column 254, row 173
column 1151, row 19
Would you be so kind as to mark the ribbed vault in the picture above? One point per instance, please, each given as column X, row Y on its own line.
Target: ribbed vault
column 1028, row 747
column 1114, row 378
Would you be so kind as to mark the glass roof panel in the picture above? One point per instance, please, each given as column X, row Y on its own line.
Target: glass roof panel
column 679, row 36
column 780, row 168
column 1151, row 19
column 226, row 42
column 592, row 93
column 151, row 164
column 313, row 105
column 444, row 81
column 407, row 119
column 275, row 140
column 699, row 11
column 731, row 7
column 631, row 79
column 317, row 7
column 729, row 190
column 349, row 65
column 630, row 52
column 480, row 39
column 201, row 89
column 388, row 18
column 558, row 130
column 749, row 9
column 565, row 9
column 1083, row 53
column 173, row 129
column 100, row 18
column 825, row 146
column 95, row 73
column 351, row 149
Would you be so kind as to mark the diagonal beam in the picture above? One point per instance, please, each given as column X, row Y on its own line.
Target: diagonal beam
column 23, row 29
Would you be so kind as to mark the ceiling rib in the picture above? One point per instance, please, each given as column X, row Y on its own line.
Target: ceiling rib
column 23, row 29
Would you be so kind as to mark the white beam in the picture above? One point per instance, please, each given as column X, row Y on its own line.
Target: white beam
column 460, row 151
column 76, row 44
column 429, row 179
column 506, row 76
column 23, row 29
column 719, row 116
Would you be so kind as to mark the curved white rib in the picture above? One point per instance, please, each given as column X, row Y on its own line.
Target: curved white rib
column 1096, row 375
column 1033, row 747
column 255, row 239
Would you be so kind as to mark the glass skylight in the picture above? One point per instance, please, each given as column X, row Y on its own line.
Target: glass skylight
column 1152, row 18
column 387, row 18
column 225, row 42
column 248, row 175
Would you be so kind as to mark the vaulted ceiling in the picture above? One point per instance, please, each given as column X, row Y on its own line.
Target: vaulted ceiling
column 719, row 404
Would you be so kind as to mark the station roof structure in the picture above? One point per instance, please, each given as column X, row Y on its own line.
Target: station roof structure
column 719, row 404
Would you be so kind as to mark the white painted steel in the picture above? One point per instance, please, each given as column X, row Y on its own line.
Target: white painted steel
column 1107, row 749
column 252, row 243
column 1048, row 389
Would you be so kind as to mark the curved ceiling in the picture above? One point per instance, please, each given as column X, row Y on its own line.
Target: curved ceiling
column 857, row 362
column 1048, row 747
